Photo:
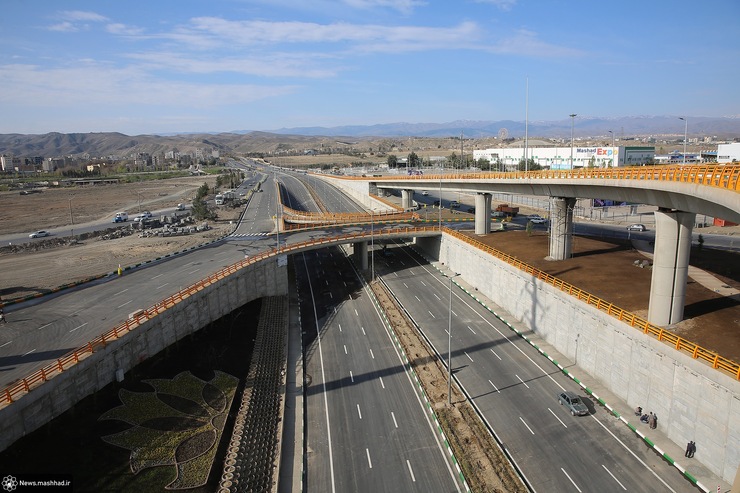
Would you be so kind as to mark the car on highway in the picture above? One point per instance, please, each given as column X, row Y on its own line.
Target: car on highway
column 636, row 227
column 454, row 203
column 424, row 193
column 573, row 402
column 142, row 216
column 436, row 202
column 537, row 220
column 39, row 234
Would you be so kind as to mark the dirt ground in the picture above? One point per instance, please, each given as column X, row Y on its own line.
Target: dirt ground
column 58, row 261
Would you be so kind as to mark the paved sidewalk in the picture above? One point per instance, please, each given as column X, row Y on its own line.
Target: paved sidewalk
column 655, row 439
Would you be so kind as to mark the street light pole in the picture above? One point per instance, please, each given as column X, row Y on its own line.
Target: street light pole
column 611, row 132
column 372, row 246
column 685, row 135
column 71, row 219
column 449, row 344
column 572, row 125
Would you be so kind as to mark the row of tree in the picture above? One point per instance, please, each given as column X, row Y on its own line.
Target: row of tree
column 458, row 162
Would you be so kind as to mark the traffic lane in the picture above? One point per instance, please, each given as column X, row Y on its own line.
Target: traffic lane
column 525, row 371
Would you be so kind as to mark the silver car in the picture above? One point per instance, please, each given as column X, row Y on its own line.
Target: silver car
column 38, row 234
column 573, row 402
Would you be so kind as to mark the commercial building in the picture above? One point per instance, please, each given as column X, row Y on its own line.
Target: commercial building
column 560, row 157
column 728, row 153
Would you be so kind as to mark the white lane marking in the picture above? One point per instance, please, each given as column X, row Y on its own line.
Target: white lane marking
column 363, row 331
column 78, row 327
column 432, row 314
column 381, row 382
column 26, row 354
column 345, row 349
column 471, row 330
column 394, row 419
column 121, row 292
column 158, row 275
column 327, row 281
column 371, row 354
column 613, row 477
column 438, row 298
column 423, row 283
column 494, row 352
column 345, row 283
column 494, row 386
column 330, row 295
column 525, row 424
column 466, row 354
column 356, row 312
column 571, row 480
column 520, row 379
column 369, row 462
column 163, row 285
column 407, row 286
column 358, row 411
column 453, row 312
column 44, row 326
column 351, row 377
column 193, row 271
column 340, row 327
column 335, row 310
column 121, row 306
column 417, row 298
column 413, row 478
column 556, row 417
column 395, row 273
column 411, row 271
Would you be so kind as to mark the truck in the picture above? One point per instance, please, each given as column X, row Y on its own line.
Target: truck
column 506, row 209
column 121, row 217
column 225, row 196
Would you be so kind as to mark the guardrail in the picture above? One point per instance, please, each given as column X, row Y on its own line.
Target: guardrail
column 725, row 176
column 680, row 344
column 25, row 385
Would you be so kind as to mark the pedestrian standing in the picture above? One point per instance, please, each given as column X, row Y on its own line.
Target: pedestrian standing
column 688, row 449
column 693, row 448
column 650, row 420
column 655, row 422
column 2, row 316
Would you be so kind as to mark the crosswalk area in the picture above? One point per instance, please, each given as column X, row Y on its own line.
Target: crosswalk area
column 248, row 236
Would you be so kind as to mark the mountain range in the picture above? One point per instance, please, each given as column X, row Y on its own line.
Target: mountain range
column 244, row 141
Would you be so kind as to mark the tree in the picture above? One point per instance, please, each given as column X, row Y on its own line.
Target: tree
column 530, row 165
column 200, row 210
column 414, row 160
column 392, row 161
column 202, row 191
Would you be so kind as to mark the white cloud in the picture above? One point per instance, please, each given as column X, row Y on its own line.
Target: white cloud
column 64, row 27
column 87, row 86
column 526, row 43
column 123, row 29
column 80, row 15
column 501, row 4
column 403, row 6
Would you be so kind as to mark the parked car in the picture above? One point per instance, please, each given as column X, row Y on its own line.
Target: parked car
column 39, row 234
column 573, row 402
column 636, row 227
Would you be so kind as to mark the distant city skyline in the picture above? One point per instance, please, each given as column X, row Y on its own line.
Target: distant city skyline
column 173, row 67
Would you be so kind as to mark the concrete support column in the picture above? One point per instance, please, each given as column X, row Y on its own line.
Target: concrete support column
column 360, row 254
column 407, row 199
column 482, row 213
column 561, row 227
column 670, row 266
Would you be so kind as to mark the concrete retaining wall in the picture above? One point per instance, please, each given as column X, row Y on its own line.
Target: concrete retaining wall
column 359, row 190
column 692, row 400
column 97, row 370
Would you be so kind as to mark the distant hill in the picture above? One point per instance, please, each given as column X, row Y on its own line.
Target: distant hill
column 379, row 137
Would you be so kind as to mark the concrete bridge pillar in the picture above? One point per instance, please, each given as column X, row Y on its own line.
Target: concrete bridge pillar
column 407, row 199
column 561, row 227
column 670, row 266
column 360, row 254
column 482, row 213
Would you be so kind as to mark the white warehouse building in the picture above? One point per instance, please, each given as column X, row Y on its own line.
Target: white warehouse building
column 728, row 153
column 560, row 157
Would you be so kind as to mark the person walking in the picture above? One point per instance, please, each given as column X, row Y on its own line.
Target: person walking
column 693, row 449
column 2, row 316
column 688, row 449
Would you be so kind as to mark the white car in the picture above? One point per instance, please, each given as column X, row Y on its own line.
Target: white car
column 636, row 227
column 424, row 193
column 537, row 220
column 39, row 234
column 142, row 216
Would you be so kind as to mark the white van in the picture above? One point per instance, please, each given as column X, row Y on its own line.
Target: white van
column 121, row 217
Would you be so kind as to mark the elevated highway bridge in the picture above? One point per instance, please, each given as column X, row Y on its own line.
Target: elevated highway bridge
column 679, row 192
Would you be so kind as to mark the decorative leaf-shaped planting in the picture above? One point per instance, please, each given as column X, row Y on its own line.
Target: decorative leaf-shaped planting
column 178, row 424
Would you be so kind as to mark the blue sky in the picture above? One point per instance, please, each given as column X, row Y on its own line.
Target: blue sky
column 179, row 66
